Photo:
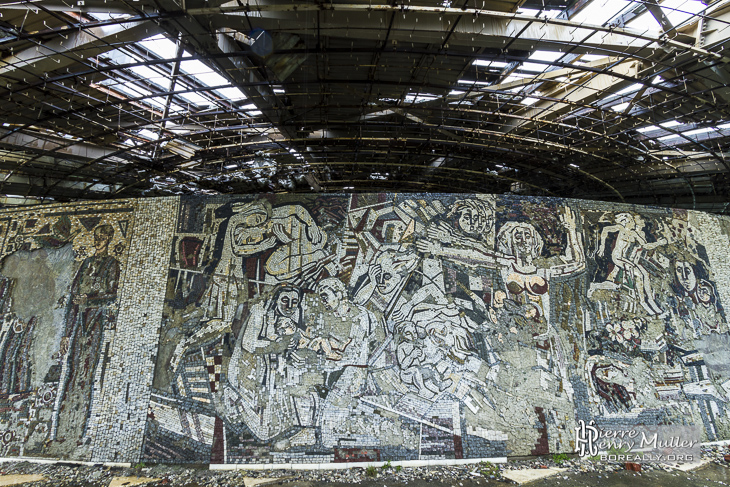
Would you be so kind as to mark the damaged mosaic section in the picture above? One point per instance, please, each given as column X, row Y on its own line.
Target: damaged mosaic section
column 364, row 327
column 336, row 328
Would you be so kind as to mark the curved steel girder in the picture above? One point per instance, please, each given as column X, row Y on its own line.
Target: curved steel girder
column 419, row 108
column 260, row 7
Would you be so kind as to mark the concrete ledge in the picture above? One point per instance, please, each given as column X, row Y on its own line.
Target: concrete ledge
column 55, row 460
column 344, row 465
column 687, row 467
column 531, row 474
column 6, row 480
column 129, row 481
column 717, row 443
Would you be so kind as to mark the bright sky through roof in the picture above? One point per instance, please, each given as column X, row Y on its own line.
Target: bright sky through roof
column 205, row 75
column 676, row 11
column 598, row 12
column 160, row 46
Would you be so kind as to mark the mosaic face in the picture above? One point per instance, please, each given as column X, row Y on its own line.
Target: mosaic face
column 685, row 275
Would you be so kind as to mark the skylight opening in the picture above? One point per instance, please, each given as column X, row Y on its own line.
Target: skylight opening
column 699, row 131
column 489, row 64
column 473, row 82
column 129, row 89
column 546, row 55
column 589, row 58
column 600, row 12
column 195, row 98
column 645, row 22
column 650, row 128
column 149, row 74
column 668, row 137
column 206, row 76
column 148, row 134
column 724, row 126
column 620, row 107
column 456, row 92
column 160, row 46
column 679, row 11
column 160, row 102
column 550, row 14
column 630, row 89
column 231, row 94
column 419, row 98
column 670, row 123
column 529, row 101
column 534, row 67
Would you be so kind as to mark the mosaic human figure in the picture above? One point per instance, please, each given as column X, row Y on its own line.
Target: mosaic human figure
column 345, row 339
column 15, row 338
column 695, row 300
column 631, row 242
column 410, row 355
column 453, row 247
column 264, row 388
column 385, row 278
column 523, row 279
column 261, row 247
column 90, row 311
column 526, row 284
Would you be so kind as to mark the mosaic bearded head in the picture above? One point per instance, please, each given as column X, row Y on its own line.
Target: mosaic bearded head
column 103, row 234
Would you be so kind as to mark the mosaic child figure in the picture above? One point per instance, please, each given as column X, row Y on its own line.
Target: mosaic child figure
column 89, row 311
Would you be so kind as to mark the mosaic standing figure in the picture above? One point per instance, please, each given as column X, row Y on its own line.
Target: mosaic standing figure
column 90, row 310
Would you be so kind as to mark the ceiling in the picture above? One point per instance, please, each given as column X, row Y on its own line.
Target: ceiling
column 614, row 100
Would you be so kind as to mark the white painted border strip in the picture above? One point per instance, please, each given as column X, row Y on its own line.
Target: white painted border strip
column 344, row 465
column 55, row 460
column 302, row 466
column 716, row 443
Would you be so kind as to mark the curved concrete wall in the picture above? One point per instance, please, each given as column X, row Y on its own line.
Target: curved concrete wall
column 336, row 328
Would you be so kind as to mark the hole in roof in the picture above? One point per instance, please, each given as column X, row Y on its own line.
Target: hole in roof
column 589, row 58
column 528, row 101
column 108, row 16
column 550, row 14
column 620, row 107
column 630, row 89
column 160, row 46
column 490, row 64
column 699, row 131
column 419, row 98
column 206, row 76
column 667, row 137
column 148, row 134
column 670, row 123
column 149, row 74
column 679, row 11
column 599, row 12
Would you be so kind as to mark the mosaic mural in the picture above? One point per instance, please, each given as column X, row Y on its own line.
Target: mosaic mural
column 368, row 327
column 62, row 268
